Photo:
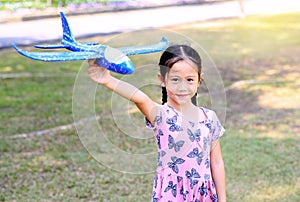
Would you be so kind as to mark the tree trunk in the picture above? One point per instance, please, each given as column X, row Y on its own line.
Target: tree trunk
column 242, row 10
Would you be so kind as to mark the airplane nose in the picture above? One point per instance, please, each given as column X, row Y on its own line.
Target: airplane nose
column 116, row 61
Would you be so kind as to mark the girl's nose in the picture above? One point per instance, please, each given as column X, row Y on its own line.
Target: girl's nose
column 182, row 86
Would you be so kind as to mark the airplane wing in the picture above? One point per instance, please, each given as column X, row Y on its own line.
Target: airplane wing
column 58, row 56
column 111, row 59
column 66, row 46
column 157, row 47
column 51, row 46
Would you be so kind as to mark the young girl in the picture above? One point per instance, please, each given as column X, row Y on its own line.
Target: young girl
column 190, row 165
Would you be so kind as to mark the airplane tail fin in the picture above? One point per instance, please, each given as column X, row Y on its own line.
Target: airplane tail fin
column 67, row 39
column 67, row 33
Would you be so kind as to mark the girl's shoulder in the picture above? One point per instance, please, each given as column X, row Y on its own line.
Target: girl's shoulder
column 162, row 111
column 213, row 123
column 167, row 110
column 210, row 114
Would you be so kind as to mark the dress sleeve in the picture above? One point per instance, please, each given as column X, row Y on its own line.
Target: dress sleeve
column 157, row 121
column 217, row 129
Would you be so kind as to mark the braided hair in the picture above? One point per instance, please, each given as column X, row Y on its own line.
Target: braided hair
column 174, row 54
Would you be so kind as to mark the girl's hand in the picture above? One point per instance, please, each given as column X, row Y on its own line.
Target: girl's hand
column 98, row 74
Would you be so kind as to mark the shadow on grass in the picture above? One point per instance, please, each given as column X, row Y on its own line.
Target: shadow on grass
column 260, row 168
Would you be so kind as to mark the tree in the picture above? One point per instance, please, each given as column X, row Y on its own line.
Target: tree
column 242, row 10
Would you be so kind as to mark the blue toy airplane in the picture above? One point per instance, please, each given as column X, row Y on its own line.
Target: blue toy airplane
column 113, row 59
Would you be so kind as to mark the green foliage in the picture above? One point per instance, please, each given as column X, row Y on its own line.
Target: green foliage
column 11, row 4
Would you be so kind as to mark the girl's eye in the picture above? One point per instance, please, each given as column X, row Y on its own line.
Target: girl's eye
column 190, row 80
column 175, row 80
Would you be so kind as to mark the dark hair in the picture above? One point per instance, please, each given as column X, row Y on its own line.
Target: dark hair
column 174, row 54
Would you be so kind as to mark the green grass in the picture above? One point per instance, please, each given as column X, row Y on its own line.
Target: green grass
column 260, row 148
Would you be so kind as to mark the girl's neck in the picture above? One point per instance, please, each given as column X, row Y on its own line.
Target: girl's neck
column 189, row 112
column 186, row 108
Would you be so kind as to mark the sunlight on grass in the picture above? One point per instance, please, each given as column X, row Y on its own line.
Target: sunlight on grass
column 46, row 160
column 254, row 35
column 274, row 134
column 280, row 98
column 20, row 67
column 6, row 69
column 260, row 165
column 285, row 93
column 275, row 192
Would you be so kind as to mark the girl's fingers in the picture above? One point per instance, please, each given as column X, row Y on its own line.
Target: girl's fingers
column 91, row 62
column 97, row 73
column 97, row 69
column 92, row 66
column 93, row 69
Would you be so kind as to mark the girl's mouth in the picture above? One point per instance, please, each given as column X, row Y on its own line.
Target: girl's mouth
column 181, row 95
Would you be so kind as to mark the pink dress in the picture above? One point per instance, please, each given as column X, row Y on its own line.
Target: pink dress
column 183, row 171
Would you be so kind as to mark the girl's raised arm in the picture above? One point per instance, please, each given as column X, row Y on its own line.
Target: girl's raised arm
column 124, row 89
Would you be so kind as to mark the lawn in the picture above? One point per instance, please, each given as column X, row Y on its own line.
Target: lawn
column 257, row 58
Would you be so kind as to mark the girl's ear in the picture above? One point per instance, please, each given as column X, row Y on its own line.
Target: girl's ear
column 162, row 80
column 200, row 79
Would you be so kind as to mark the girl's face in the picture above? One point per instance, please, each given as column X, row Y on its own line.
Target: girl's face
column 181, row 82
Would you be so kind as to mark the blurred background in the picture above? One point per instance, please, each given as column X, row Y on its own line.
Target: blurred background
column 254, row 46
column 27, row 9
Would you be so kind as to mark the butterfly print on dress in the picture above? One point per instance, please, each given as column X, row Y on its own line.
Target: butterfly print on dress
column 214, row 198
column 176, row 145
column 203, row 190
column 160, row 133
column 155, row 181
column 192, row 123
column 183, row 193
column 173, row 126
column 158, row 119
column 207, row 163
column 173, row 165
column 208, row 124
column 206, row 177
column 154, row 199
column 194, row 136
column 196, row 154
column 191, row 176
column 172, row 187
column 205, row 142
